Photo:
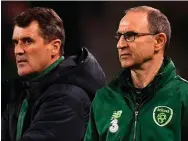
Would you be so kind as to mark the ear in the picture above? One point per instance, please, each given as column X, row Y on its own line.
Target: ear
column 56, row 46
column 160, row 41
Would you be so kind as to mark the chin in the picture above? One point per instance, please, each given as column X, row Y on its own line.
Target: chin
column 126, row 63
column 23, row 72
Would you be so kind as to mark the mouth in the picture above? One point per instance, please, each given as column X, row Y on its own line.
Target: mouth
column 21, row 61
column 125, row 55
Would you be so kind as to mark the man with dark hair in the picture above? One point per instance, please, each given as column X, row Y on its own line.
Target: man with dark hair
column 147, row 101
column 51, row 100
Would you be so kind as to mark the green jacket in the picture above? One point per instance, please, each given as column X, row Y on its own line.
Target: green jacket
column 159, row 112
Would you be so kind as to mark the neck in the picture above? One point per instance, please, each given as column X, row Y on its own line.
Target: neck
column 143, row 75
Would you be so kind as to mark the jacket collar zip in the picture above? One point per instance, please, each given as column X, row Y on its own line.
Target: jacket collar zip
column 166, row 73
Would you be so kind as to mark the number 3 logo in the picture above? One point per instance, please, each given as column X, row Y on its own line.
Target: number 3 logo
column 114, row 126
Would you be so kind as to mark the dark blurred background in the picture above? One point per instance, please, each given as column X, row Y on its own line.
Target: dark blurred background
column 92, row 25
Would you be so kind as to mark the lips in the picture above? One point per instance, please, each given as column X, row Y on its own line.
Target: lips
column 20, row 60
column 125, row 55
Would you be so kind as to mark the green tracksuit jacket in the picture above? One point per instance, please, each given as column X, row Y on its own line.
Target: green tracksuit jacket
column 159, row 112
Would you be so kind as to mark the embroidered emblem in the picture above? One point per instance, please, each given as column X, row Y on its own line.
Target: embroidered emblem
column 162, row 115
column 114, row 121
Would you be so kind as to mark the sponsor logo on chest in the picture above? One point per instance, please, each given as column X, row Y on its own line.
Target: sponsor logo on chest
column 114, row 121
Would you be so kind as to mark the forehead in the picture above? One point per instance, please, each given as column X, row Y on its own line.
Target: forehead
column 134, row 21
column 30, row 31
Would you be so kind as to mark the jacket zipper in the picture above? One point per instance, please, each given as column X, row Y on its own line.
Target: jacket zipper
column 137, row 108
column 135, row 119
column 136, row 112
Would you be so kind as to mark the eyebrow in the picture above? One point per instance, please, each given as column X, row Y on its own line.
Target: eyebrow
column 118, row 32
column 14, row 40
column 22, row 39
column 126, row 32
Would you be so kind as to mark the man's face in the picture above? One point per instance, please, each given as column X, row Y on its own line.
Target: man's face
column 140, row 50
column 32, row 53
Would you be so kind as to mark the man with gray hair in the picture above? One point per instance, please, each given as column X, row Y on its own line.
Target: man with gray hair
column 147, row 101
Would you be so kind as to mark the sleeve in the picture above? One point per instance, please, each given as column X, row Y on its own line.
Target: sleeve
column 58, row 119
column 5, row 126
column 91, row 132
column 5, row 96
column 184, row 131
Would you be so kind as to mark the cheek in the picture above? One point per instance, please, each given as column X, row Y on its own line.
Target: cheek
column 37, row 57
column 143, row 50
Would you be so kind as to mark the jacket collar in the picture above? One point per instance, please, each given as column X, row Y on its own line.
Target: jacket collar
column 166, row 73
column 34, row 83
column 35, row 76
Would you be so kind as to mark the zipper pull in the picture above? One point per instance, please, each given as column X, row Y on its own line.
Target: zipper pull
column 136, row 110
column 136, row 115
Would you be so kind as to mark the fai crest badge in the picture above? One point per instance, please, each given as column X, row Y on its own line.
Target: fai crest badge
column 162, row 115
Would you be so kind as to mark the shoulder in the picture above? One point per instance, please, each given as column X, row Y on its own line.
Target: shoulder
column 66, row 89
column 65, row 94
column 182, row 83
column 104, row 91
column 182, row 87
column 105, row 95
column 181, row 79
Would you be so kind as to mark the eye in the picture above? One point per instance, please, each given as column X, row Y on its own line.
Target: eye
column 27, row 41
column 130, row 36
column 14, row 42
column 117, row 36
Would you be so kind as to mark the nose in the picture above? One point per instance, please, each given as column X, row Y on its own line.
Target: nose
column 122, row 43
column 18, row 50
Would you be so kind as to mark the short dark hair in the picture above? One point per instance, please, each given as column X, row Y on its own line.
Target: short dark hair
column 51, row 25
column 157, row 21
